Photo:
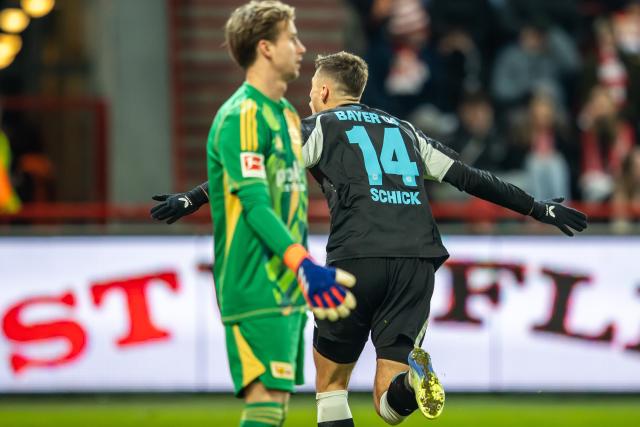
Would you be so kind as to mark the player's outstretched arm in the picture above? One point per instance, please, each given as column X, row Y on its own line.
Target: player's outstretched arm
column 487, row 186
column 172, row 207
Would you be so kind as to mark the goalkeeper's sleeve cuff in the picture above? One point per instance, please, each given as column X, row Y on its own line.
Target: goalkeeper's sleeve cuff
column 294, row 255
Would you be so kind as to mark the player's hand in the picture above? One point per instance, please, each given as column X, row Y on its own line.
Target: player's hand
column 172, row 207
column 554, row 213
column 326, row 289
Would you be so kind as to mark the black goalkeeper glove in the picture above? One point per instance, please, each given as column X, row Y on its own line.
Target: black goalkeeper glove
column 175, row 206
column 563, row 217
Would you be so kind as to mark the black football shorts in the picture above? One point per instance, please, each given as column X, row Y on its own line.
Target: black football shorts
column 393, row 300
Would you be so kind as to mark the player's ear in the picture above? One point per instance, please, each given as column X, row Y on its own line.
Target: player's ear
column 324, row 94
column 264, row 48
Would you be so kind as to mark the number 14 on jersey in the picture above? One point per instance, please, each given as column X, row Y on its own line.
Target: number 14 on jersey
column 392, row 146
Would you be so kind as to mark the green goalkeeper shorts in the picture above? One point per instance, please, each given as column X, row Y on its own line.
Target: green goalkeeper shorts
column 268, row 349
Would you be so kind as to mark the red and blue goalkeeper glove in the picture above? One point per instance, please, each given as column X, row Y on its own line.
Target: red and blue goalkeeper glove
column 324, row 288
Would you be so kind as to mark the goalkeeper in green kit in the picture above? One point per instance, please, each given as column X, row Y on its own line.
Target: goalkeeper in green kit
column 263, row 274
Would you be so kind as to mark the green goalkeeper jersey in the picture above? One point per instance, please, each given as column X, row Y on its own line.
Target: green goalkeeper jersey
column 258, row 197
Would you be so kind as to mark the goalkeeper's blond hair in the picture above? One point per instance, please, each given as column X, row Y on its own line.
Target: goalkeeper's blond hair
column 252, row 22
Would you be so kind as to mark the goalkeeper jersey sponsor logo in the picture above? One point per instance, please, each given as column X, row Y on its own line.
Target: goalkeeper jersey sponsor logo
column 291, row 178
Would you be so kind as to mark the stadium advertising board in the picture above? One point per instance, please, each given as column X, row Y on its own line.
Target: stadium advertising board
column 139, row 313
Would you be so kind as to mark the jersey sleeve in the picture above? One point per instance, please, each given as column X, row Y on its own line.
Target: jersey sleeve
column 260, row 216
column 487, row 186
column 242, row 140
column 437, row 157
column 312, row 137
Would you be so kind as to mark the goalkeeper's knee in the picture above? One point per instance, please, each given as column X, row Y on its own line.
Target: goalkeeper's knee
column 263, row 414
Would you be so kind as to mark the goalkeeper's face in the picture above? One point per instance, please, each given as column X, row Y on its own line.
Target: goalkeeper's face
column 287, row 52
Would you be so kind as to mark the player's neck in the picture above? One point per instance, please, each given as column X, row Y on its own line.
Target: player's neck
column 342, row 101
column 267, row 82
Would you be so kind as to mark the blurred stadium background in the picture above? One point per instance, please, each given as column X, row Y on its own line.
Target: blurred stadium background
column 110, row 319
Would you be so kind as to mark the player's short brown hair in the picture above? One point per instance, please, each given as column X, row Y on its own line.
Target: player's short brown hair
column 349, row 71
column 252, row 22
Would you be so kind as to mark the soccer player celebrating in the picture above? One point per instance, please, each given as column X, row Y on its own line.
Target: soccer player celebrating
column 371, row 167
column 259, row 209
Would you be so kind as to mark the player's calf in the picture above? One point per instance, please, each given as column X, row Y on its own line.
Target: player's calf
column 398, row 402
column 332, row 380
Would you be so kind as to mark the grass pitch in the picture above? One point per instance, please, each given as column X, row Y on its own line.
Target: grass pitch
column 223, row 411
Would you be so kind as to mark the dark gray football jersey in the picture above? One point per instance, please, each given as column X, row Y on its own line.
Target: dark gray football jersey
column 371, row 167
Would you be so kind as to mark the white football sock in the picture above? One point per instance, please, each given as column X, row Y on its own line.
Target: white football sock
column 387, row 413
column 333, row 406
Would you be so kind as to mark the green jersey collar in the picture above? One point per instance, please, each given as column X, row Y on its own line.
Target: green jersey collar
column 255, row 93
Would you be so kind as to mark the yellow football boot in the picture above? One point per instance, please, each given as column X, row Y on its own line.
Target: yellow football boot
column 429, row 392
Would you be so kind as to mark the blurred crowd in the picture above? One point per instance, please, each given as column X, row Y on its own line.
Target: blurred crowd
column 544, row 93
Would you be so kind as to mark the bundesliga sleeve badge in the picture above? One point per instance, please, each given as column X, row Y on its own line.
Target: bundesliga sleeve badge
column 252, row 165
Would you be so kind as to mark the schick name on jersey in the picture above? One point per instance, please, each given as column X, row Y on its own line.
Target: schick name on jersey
column 363, row 116
column 395, row 197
